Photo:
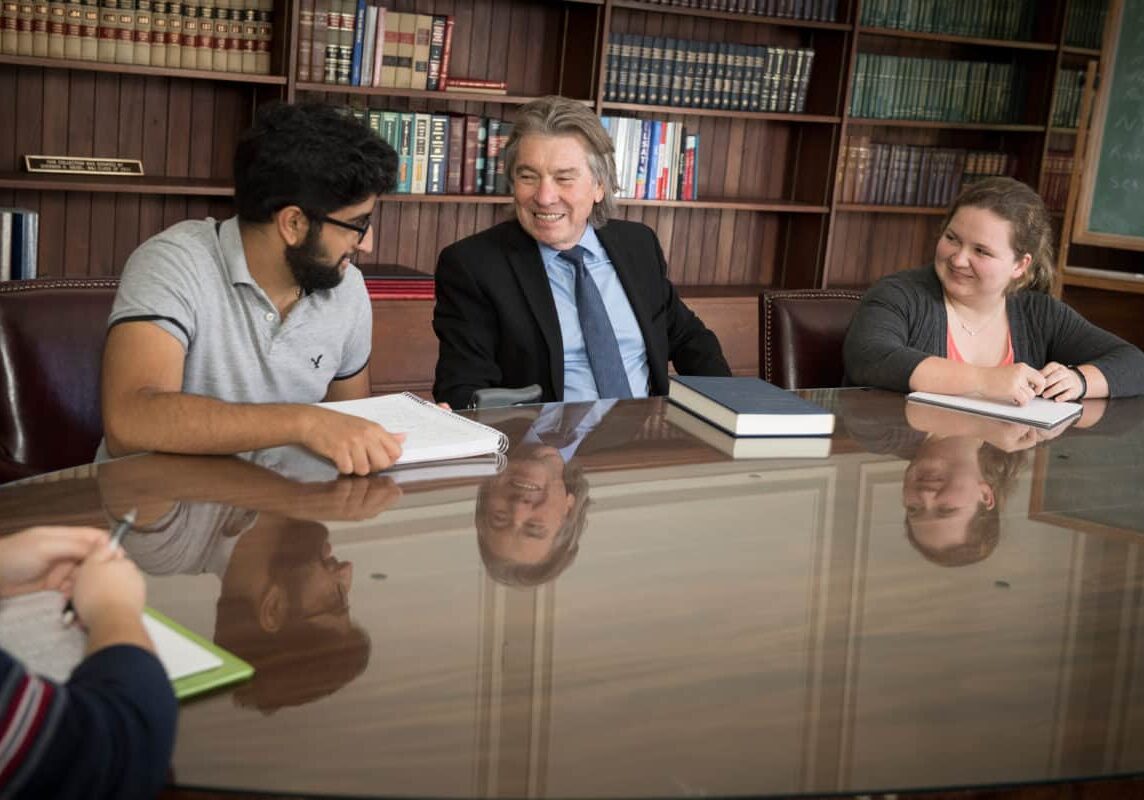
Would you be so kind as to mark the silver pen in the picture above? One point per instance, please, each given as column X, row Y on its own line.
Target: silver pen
column 125, row 524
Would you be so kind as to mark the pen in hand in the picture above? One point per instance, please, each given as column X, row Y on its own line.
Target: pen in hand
column 68, row 615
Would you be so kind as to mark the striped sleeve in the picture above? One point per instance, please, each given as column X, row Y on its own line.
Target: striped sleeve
column 30, row 709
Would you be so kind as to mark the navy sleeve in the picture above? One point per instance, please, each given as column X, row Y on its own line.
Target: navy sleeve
column 112, row 730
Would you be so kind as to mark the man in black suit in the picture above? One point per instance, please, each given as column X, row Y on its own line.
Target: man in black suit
column 562, row 296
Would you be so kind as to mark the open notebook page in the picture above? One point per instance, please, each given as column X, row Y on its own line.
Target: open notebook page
column 431, row 432
column 31, row 631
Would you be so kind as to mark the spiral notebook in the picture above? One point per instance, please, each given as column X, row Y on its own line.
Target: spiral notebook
column 431, row 432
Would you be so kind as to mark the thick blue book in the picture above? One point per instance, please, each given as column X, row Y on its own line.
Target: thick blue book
column 750, row 406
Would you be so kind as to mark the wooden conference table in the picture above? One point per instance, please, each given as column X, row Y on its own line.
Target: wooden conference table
column 725, row 628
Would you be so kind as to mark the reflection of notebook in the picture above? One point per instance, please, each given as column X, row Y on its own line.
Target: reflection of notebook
column 431, row 432
column 1039, row 412
column 31, row 631
column 455, row 469
column 748, row 446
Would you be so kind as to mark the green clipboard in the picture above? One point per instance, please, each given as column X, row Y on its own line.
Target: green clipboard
column 232, row 670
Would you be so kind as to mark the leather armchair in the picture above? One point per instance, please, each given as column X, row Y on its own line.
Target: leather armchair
column 51, row 343
column 801, row 335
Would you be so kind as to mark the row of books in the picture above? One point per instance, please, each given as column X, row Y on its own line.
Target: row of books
column 217, row 35
column 658, row 70
column 1055, row 178
column 19, row 239
column 871, row 173
column 655, row 160
column 1066, row 105
column 444, row 153
column 818, row 10
column 359, row 43
column 902, row 87
column 989, row 19
column 1084, row 23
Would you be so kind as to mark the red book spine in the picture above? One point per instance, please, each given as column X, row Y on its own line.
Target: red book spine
column 443, row 74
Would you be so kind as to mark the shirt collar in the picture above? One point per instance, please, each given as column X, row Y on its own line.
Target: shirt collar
column 230, row 242
column 589, row 241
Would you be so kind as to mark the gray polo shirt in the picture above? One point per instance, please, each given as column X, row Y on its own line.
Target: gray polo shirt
column 192, row 280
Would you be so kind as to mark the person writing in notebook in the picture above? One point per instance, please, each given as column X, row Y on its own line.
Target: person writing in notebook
column 980, row 320
column 110, row 730
column 223, row 333
column 562, row 296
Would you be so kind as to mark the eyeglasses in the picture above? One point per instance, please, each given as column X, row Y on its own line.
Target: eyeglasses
column 360, row 230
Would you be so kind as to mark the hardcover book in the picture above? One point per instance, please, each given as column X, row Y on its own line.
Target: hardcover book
column 748, row 446
column 749, row 406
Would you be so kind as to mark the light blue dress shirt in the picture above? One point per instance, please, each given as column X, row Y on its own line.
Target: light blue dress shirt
column 578, row 381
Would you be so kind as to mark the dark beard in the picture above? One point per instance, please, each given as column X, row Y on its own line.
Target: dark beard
column 307, row 267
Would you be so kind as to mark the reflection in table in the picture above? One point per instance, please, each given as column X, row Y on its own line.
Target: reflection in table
column 721, row 627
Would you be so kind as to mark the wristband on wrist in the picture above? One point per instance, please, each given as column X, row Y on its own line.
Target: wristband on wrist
column 1083, row 383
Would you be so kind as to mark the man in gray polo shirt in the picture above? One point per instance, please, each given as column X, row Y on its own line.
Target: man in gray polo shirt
column 223, row 333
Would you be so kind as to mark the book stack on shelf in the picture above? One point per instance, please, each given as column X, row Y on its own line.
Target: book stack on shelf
column 870, row 173
column 1066, row 104
column 1055, row 177
column 19, row 243
column 986, row 19
column 357, row 43
column 397, row 282
column 1084, row 23
column 815, row 10
column 654, row 70
column 444, row 153
column 214, row 35
column 946, row 90
column 655, row 160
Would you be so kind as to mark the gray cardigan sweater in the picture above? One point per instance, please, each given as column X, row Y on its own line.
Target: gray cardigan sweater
column 902, row 321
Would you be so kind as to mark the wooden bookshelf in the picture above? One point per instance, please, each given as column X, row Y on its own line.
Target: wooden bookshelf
column 768, row 214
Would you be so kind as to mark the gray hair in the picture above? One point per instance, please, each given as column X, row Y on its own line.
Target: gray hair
column 558, row 116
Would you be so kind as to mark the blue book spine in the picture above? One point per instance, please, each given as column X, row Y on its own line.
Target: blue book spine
column 641, row 169
column 653, row 157
column 359, row 43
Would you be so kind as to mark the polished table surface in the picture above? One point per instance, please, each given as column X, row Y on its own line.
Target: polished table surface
column 942, row 601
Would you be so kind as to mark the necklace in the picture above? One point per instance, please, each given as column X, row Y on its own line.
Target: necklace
column 979, row 328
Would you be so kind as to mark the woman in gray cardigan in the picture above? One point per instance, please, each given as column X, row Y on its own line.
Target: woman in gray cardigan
column 980, row 320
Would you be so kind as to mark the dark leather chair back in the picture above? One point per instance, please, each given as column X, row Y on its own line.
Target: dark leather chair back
column 802, row 334
column 51, row 343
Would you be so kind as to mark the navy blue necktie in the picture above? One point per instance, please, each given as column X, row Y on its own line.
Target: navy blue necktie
column 599, row 338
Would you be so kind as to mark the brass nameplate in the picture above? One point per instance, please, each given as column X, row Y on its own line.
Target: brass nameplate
column 86, row 166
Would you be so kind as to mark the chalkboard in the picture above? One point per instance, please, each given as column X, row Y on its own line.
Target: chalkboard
column 1110, row 211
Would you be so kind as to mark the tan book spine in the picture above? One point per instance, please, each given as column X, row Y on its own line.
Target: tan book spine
column 174, row 34
column 89, row 30
column 141, row 35
column 9, row 13
column 159, row 43
column 234, row 38
column 108, row 30
column 265, row 41
column 405, row 51
column 422, row 37
column 24, row 28
column 204, row 36
column 57, row 29
column 40, row 28
column 73, row 28
column 250, row 35
column 221, row 32
column 125, row 33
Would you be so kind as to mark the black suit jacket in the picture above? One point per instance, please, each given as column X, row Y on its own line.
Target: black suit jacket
column 496, row 321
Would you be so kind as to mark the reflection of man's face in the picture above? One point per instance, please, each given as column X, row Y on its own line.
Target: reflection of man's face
column 942, row 491
column 322, row 591
column 526, row 505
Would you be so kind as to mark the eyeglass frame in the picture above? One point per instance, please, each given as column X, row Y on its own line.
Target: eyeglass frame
column 360, row 230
